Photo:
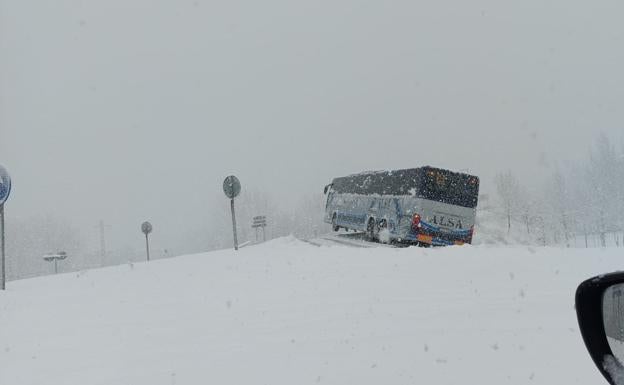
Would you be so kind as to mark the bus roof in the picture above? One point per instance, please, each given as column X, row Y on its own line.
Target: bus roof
column 395, row 182
column 408, row 171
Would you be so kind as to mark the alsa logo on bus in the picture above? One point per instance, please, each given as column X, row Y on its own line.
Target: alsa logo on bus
column 447, row 222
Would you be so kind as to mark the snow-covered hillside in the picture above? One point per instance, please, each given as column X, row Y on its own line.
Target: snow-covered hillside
column 289, row 312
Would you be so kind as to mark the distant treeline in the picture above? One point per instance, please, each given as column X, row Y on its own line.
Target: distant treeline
column 581, row 204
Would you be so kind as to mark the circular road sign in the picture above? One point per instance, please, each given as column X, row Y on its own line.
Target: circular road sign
column 5, row 185
column 146, row 228
column 231, row 187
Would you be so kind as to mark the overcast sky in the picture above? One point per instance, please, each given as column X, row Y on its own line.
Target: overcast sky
column 126, row 110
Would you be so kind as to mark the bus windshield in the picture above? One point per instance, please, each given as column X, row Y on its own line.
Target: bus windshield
column 449, row 187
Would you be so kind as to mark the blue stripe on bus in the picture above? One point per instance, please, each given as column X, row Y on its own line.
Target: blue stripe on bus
column 358, row 220
column 431, row 228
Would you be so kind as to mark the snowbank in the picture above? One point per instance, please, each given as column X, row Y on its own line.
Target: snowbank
column 288, row 312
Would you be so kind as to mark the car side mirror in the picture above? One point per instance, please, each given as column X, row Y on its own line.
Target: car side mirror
column 600, row 313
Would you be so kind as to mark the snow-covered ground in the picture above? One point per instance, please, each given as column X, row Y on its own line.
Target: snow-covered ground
column 290, row 312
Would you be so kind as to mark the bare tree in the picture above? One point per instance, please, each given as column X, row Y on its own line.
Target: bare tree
column 559, row 200
column 509, row 193
column 602, row 179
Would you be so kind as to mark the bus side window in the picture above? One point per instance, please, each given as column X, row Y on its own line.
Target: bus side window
column 396, row 206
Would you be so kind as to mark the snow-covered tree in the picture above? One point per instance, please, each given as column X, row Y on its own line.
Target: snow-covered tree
column 510, row 195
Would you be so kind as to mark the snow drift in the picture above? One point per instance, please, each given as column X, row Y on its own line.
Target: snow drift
column 288, row 312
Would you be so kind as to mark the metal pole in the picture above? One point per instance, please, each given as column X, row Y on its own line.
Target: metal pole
column 55, row 266
column 3, row 274
column 234, row 224
column 102, row 240
column 147, row 246
column 264, row 233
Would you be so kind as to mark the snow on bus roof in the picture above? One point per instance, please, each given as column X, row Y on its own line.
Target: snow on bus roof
column 390, row 172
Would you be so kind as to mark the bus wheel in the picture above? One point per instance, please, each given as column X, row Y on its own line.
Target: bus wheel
column 335, row 227
column 370, row 229
column 382, row 235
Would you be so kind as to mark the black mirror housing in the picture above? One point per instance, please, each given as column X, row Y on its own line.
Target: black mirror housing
column 589, row 312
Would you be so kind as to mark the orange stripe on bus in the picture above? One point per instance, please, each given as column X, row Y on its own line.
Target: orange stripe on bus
column 425, row 238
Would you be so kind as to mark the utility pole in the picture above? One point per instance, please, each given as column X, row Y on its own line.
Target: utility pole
column 102, row 239
column 102, row 230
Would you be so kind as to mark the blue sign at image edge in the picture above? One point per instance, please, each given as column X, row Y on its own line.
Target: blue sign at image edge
column 5, row 185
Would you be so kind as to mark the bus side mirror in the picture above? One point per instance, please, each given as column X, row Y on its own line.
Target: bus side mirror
column 600, row 313
column 325, row 189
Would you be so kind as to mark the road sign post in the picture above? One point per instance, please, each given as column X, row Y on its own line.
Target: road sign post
column 2, row 250
column 234, row 224
column 231, row 188
column 61, row 255
column 146, row 228
column 259, row 222
column 5, row 191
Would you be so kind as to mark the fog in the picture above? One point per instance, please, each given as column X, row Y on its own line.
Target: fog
column 124, row 111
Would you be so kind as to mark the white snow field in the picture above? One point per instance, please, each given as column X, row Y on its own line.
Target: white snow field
column 289, row 312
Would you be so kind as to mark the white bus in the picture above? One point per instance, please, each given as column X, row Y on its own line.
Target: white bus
column 425, row 205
